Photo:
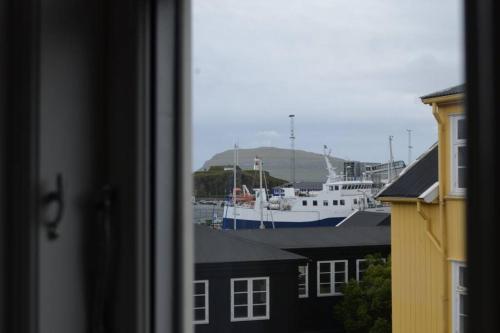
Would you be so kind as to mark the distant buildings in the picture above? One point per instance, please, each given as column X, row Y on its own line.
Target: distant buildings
column 429, row 274
column 281, row 280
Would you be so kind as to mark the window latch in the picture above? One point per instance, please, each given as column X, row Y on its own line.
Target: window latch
column 56, row 198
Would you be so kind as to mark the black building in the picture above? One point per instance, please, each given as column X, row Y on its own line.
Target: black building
column 242, row 285
column 298, row 274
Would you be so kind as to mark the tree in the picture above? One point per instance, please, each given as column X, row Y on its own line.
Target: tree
column 366, row 306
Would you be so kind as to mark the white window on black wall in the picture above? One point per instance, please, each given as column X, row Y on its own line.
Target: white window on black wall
column 331, row 276
column 250, row 299
column 200, row 301
column 361, row 266
column 304, row 281
column 458, row 154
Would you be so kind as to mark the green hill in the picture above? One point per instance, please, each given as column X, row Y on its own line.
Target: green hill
column 217, row 183
column 308, row 166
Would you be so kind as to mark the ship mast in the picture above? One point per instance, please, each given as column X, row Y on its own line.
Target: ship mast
column 235, row 163
column 258, row 162
column 410, row 147
column 292, row 148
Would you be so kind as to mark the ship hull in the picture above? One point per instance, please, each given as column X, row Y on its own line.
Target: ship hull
column 228, row 223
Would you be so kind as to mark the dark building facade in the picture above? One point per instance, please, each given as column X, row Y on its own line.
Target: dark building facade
column 305, row 268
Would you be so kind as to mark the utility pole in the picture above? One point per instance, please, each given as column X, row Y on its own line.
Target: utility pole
column 292, row 147
column 258, row 162
column 409, row 146
column 390, row 166
column 235, row 163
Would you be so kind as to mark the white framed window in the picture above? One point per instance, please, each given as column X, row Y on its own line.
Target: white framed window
column 361, row 266
column 250, row 299
column 200, row 301
column 331, row 276
column 458, row 149
column 459, row 292
column 304, row 281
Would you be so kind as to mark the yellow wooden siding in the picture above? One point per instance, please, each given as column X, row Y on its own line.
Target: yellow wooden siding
column 417, row 271
column 455, row 217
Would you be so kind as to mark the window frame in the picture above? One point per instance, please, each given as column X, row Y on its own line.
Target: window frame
column 358, row 261
column 332, row 277
column 456, row 291
column 306, row 284
column 250, row 316
column 206, row 307
column 454, row 145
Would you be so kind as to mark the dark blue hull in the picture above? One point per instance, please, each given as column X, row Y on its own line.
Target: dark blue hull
column 228, row 223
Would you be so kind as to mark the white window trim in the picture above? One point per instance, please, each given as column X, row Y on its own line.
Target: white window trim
column 358, row 261
column 454, row 144
column 332, row 277
column 250, row 315
column 455, row 295
column 205, row 282
column 306, row 295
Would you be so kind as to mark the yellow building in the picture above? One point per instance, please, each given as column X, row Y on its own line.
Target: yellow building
column 428, row 227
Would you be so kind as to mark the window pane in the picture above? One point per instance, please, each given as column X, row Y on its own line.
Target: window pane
column 324, row 267
column 302, row 269
column 324, row 278
column 462, row 156
column 302, row 290
column 461, row 177
column 240, row 286
column 461, row 129
column 338, row 287
column 259, row 298
column 199, row 301
column 324, row 288
column 240, row 299
column 240, row 311
column 259, row 310
column 199, row 314
column 463, row 304
column 462, row 324
column 462, row 276
column 339, row 266
column 339, row 277
column 199, row 288
column 259, row 285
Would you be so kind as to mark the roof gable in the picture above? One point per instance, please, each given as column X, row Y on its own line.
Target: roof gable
column 318, row 237
column 460, row 89
column 216, row 246
column 416, row 178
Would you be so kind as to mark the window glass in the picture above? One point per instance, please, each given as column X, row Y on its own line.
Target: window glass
column 304, row 202
column 249, row 299
column 332, row 275
column 342, row 202
column 200, row 295
column 303, row 281
column 335, row 202
column 336, row 187
column 325, row 202
column 361, row 265
column 315, row 202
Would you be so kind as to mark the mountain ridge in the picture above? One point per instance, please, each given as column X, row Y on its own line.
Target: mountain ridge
column 309, row 166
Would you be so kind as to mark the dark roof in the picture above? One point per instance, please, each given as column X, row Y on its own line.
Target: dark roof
column 460, row 89
column 416, row 178
column 366, row 219
column 216, row 246
column 318, row 237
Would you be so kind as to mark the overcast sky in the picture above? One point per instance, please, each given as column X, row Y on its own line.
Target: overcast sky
column 352, row 72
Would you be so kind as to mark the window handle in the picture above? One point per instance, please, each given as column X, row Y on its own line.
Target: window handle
column 55, row 197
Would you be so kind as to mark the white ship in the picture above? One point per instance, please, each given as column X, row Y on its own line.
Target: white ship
column 291, row 208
